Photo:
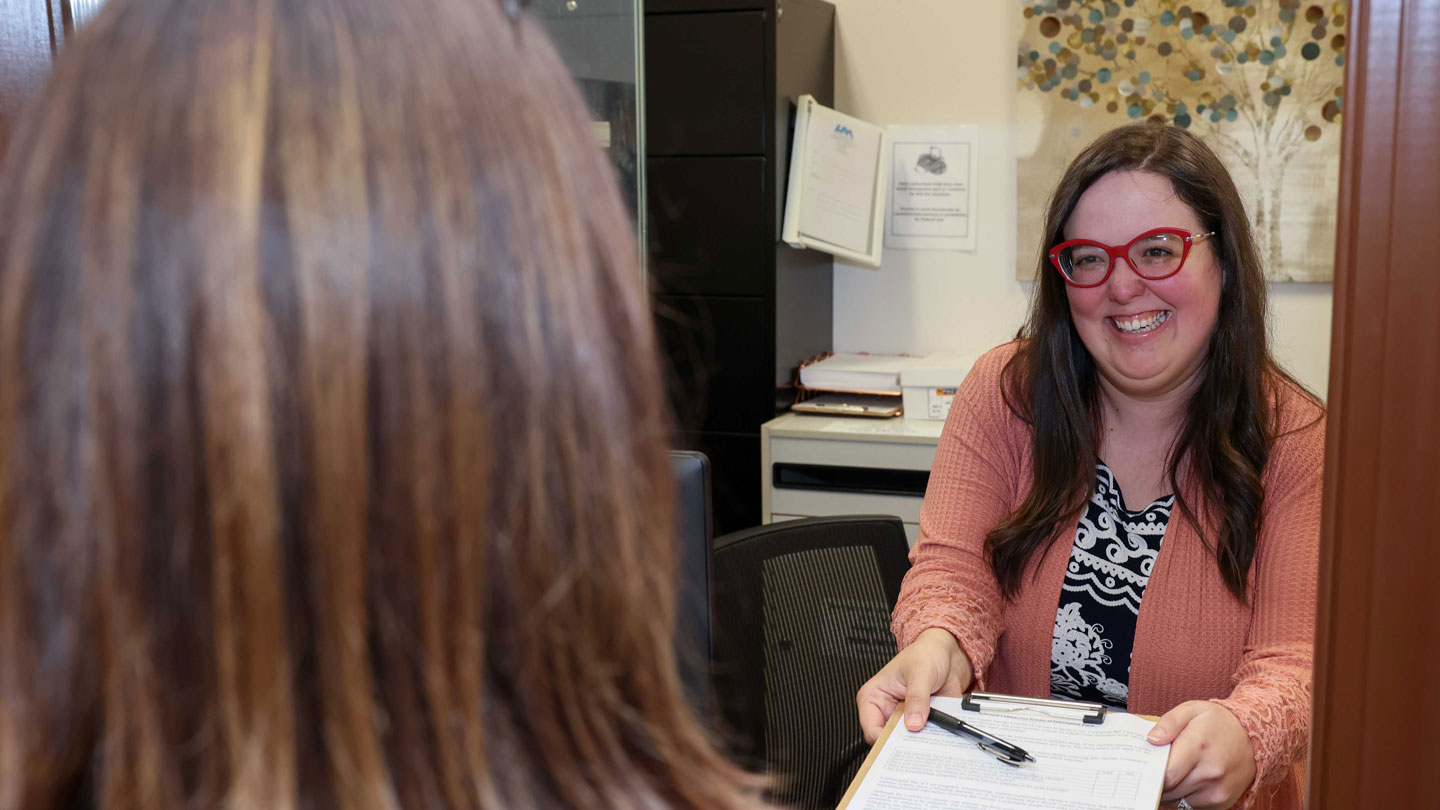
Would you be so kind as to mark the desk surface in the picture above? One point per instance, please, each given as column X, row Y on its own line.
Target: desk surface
column 855, row 428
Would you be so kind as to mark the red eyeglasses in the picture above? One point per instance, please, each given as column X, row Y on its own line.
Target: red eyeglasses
column 1155, row 254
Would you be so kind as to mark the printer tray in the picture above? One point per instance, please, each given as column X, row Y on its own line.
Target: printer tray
column 840, row 404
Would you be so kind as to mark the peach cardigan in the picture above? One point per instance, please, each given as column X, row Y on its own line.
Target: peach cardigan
column 1193, row 639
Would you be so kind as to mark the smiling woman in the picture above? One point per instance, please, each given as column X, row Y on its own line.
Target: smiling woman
column 1139, row 427
column 1147, row 317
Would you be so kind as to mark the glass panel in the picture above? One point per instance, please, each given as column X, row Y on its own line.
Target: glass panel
column 600, row 43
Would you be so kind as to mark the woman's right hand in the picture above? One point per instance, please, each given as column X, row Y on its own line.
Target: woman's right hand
column 933, row 664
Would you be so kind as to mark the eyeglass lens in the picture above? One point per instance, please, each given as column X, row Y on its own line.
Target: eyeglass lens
column 1155, row 256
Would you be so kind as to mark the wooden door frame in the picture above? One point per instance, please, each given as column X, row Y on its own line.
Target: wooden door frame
column 1377, row 664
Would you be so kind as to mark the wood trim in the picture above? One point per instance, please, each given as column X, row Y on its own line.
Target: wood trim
column 1377, row 685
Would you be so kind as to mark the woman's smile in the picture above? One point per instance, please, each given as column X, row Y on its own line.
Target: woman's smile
column 1144, row 323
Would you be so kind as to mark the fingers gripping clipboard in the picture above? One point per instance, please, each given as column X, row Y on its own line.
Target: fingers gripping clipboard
column 1086, row 758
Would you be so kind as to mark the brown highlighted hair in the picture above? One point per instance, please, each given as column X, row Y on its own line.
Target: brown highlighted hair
column 1229, row 425
column 332, row 465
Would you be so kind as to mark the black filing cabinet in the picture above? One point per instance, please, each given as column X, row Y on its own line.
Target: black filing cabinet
column 736, row 309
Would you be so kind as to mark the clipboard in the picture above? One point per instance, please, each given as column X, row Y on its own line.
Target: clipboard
column 1083, row 715
column 870, row 757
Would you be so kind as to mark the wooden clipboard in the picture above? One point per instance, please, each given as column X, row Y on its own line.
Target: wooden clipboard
column 870, row 757
column 880, row 743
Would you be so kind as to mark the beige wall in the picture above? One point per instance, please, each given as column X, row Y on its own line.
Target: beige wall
column 953, row 61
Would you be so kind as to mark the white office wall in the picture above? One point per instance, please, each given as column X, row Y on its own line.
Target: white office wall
column 953, row 61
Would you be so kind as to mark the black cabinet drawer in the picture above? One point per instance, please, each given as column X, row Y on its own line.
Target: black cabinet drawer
column 709, row 229
column 705, row 84
column 720, row 361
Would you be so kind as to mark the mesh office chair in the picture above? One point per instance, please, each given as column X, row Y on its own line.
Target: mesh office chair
column 801, row 620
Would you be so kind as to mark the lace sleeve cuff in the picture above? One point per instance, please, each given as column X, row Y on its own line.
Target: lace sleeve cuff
column 1278, row 729
column 955, row 610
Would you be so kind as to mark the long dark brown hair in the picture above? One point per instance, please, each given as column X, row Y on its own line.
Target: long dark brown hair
column 332, row 466
column 1229, row 424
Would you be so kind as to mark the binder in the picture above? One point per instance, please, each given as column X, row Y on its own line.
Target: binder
column 1087, row 756
column 835, row 195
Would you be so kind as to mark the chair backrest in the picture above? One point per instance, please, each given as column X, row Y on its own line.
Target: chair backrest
column 693, row 533
column 801, row 620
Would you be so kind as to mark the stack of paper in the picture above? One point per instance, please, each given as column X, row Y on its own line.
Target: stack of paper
column 870, row 373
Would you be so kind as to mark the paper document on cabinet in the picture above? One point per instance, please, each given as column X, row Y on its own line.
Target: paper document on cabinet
column 1077, row 766
column 834, row 200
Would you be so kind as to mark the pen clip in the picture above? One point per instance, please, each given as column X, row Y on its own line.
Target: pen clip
column 1007, row 752
column 1000, row 754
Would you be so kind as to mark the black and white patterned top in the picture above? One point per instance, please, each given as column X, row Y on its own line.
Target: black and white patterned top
column 1110, row 564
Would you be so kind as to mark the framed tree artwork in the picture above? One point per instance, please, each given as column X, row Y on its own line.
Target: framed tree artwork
column 1261, row 81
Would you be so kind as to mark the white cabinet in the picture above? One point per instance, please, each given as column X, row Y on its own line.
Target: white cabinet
column 812, row 466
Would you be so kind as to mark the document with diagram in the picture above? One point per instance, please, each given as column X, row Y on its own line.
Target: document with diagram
column 932, row 187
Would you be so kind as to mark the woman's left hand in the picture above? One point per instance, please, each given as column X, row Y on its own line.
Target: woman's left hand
column 1211, row 760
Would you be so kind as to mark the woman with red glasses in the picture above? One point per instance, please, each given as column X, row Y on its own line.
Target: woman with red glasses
column 1125, row 504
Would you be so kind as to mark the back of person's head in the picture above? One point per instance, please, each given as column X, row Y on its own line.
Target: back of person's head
column 332, row 464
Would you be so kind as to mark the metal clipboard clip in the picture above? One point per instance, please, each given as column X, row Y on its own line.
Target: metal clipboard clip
column 1088, row 713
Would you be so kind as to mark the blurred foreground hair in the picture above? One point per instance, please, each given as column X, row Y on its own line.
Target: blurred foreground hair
column 332, row 465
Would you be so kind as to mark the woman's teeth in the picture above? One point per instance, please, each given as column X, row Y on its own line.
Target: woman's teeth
column 1141, row 323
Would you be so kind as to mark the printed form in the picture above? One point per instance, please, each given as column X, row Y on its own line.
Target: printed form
column 838, row 205
column 1110, row 766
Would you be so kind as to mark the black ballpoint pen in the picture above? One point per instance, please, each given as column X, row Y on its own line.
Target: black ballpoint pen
column 1008, row 752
